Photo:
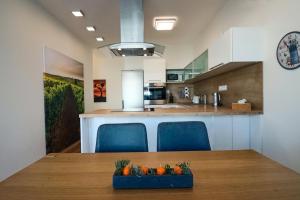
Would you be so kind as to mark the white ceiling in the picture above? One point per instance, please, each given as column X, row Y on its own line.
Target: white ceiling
column 62, row 65
column 193, row 17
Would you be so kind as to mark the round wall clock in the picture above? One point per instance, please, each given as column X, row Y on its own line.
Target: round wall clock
column 288, row 51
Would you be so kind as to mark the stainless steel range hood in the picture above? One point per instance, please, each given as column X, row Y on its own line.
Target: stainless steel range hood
column 132, row 31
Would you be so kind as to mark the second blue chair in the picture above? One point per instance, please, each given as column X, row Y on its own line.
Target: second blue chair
column 131, row 137
column 182, row 136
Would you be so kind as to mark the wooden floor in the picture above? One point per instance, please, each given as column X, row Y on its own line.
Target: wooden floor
column 74, row 148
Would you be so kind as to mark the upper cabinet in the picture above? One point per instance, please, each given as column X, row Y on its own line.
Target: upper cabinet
column 240, row 44
column 154, row 70
column 197, row 66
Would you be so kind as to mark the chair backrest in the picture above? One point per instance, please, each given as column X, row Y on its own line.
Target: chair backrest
column 131, row 137
column 182, row 136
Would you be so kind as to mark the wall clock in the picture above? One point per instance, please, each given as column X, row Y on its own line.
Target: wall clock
column 288, row 51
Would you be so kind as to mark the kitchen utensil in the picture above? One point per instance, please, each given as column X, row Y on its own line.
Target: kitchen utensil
column 196, row 100
column 204, row 99
column 216, row 99
column 171, row 98
column 186, row 92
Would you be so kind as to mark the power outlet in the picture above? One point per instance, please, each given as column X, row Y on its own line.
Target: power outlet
column 223, row 88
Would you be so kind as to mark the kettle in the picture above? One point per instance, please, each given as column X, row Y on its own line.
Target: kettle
column 216, row 99
column 196, row 100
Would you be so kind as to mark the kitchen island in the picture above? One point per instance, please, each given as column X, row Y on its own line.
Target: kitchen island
column 227, row 129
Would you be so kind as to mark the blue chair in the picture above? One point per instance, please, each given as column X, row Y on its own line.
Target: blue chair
column 130, row 137
column 182, row 136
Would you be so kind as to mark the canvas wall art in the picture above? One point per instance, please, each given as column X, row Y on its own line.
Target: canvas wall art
column 63, row 100
column 99, row 90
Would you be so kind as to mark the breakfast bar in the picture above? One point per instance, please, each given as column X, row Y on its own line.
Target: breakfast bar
column 227, row 129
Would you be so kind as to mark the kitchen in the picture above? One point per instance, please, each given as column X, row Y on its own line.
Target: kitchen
column 225, row 62
column 221, row 64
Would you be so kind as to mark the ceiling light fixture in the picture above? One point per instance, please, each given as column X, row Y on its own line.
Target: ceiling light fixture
column 90, row 28
column 100, row 39
column 145, row 54
column 164, row 23
column 119, row 49
column 123, row 55
column 77, row 13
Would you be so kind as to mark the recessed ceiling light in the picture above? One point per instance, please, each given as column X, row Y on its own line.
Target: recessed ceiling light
column 144, row 48
column 164, row 23
column 145, row 54
column 77, row 13
column 119, row 49
column 100, row 39
column 123, row 55
column 90, row 28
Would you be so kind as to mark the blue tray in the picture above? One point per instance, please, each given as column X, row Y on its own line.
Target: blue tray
column 153, row 182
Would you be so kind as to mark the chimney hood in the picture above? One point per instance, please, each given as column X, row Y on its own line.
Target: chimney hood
column 132, row 32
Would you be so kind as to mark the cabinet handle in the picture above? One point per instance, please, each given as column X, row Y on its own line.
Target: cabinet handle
column 219, row 65
column 156, row 87
column 154, row 81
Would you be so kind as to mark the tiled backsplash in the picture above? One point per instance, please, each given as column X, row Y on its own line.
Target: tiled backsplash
column 177, row 90
column 242, row 83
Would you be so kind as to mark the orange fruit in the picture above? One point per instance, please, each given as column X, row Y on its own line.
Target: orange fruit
column 126, row 171
column 144, row 170
column 177, row 170
column 160, row 170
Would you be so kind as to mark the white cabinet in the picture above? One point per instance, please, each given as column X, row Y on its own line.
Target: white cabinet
column 154, row 71
column 230, row 132
column 222, row 131
column 220, row 51
column 239, row 44
column 240, row 132
column 256, row 133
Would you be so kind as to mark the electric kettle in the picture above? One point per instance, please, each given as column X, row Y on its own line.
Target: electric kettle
column 216, row 99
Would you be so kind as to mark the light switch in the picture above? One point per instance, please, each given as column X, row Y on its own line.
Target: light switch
column 223, row 88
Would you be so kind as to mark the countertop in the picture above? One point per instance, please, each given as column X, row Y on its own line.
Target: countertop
column 179, row 110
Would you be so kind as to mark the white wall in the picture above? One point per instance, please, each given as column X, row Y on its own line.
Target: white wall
column 57, row 63
column 25, row 30
column 179, row 56
column 280, row 122
column 109, row 68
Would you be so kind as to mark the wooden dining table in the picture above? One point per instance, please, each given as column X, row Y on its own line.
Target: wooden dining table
column 217, row 175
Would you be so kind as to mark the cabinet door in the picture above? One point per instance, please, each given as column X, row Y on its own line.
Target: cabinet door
column 247, row 44
column 154, row 71
column 221, row 51
column 222, row 130
column 256, row 133
column 241, row 132
column 213, row 54
column 201, row 63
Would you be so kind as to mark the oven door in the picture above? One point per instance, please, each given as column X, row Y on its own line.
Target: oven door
column 155, row 95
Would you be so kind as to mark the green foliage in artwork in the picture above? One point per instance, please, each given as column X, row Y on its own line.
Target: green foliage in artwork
column 54, row 94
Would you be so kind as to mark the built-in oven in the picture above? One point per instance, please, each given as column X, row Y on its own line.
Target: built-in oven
column 155, row 94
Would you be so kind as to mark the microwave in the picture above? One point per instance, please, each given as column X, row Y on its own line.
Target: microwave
column 175, row 77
